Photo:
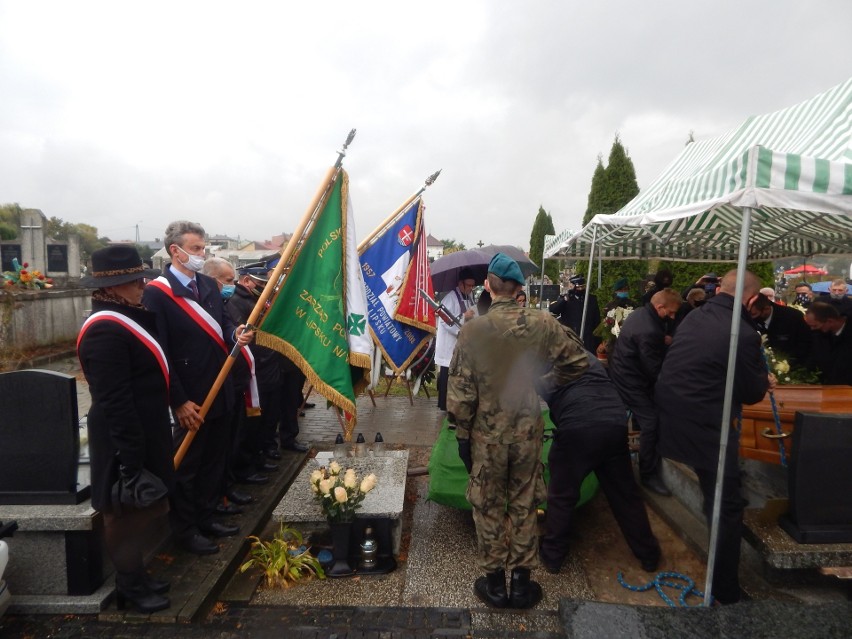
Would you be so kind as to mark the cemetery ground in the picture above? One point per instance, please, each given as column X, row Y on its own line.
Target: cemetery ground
column 430, row 594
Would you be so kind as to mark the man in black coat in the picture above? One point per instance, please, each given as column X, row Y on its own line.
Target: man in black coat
column 590, row 436
column 197, row 336
column 831, row 352
column 634, row 366
column 689, row 394
column 569, row 310
column 784, row 327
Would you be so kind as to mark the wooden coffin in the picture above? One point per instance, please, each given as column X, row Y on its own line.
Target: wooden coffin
column 758, row 418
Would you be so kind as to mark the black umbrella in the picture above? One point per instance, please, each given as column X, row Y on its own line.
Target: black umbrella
column 445, row 270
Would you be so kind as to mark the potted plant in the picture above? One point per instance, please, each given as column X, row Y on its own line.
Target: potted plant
column 283, row 559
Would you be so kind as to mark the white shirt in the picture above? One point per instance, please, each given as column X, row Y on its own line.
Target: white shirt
column 448, row 335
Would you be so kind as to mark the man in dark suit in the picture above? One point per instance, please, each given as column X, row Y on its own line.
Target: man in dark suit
column 784, row 327
column 568, row 309
column 634, row 366
column 197, row 336
column 690, row 393
column 831, row 352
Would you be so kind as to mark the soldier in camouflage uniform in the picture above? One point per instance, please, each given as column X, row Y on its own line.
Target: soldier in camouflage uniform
column 499, row 362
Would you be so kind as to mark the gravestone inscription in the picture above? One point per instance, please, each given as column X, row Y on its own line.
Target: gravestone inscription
column 40, row 436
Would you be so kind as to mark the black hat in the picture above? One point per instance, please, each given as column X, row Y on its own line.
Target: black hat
column 258, row 271
column 578, row 280
column 117, row 264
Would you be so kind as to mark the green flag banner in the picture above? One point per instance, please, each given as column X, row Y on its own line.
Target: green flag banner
column 318, row 318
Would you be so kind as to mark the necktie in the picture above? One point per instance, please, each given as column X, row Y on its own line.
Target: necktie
column 194, row 288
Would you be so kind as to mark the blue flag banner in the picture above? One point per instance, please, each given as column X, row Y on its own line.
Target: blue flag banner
column 387, row 265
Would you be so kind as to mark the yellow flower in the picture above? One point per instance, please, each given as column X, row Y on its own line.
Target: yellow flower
column 349, row 479
column 316, row 476
column 368, row 483
column 334, row 468
column 782, row 366
column 340, row 495
column 325, row 486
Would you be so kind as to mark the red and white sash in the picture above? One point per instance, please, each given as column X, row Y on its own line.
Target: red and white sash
column 136, row 329
column 210, row 326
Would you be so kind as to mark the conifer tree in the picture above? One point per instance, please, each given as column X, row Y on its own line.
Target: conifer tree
column 542, row 226
column 596, row 193
column 621, row 185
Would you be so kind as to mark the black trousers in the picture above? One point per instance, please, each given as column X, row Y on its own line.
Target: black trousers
column 289, row 402
column 443, row 381
column 647, row 419
column 726, row 582
column 574, row 454
column 200, row 477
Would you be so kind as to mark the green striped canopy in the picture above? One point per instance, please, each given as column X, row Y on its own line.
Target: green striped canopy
column 793, row 168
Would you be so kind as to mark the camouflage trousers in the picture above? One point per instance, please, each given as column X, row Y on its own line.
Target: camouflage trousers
column 506, row 485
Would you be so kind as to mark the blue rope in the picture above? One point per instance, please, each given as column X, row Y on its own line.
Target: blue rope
column 778, row 428
column 662, row 580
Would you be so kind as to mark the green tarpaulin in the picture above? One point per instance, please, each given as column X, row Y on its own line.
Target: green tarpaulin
column 448, row 477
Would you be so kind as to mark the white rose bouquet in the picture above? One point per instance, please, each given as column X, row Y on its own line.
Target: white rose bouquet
column 610, row 326
column 340, row 493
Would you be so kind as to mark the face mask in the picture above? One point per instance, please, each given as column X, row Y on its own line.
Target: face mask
column 621, row 295
column 195, row 262
column 228, row 290
column 802, row 299
column 577, row 293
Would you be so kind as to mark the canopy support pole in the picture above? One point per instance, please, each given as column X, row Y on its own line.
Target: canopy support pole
column 727, row 402
column 588, row 282
column 541, row 285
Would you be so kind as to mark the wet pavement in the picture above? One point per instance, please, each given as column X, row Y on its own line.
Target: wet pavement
column 430, row 594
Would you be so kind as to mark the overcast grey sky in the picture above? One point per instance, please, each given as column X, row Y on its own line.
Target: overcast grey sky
column 124, row 113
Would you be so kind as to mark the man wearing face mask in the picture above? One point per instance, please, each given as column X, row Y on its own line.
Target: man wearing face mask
column 804, row 295
column 620, row 296
column 568, row 309
column 245, row 458
column 197, row 336
column 838, row 298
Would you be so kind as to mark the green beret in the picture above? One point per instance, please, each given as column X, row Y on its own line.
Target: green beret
column 506, row 268
column 620, row 284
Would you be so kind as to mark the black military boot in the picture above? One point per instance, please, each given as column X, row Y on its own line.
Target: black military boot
column 492, row 589
column 524, row 593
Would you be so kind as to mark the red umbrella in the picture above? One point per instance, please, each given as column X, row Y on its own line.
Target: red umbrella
column 806, row 269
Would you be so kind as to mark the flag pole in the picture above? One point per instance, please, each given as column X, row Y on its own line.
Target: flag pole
column 390, row 218
column 330, row 176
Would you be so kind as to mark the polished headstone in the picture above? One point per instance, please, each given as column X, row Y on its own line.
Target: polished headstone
column 41, row 439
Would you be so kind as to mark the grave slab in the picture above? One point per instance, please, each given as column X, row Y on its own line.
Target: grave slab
column 383, row 504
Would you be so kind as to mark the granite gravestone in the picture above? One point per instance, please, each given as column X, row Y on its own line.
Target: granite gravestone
column 57, row 258
column 40, row 439
column 9, row 252
column 819, row 479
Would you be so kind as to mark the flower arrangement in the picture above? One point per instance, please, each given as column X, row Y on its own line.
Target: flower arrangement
column 779, row 365
column 340, row 493
column 22, row 277
column 610, row 325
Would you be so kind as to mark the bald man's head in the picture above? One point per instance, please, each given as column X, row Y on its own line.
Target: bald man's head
column 751, row 284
